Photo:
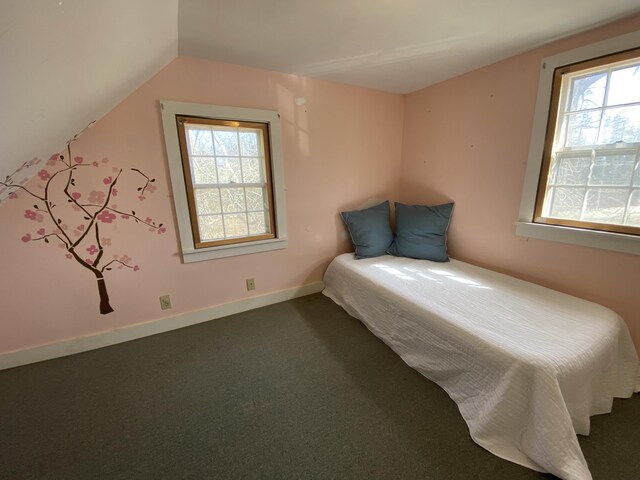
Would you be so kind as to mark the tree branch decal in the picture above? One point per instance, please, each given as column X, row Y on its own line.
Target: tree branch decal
column 84, row 244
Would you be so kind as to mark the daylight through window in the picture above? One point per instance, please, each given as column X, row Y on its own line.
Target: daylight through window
column 590, row 174
column 228, row 179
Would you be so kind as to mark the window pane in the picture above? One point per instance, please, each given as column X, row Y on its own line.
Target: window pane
column 229, row 170
column 233, row 200
column 633, row 215
column 588, row 91
column 200, row 140
column 566, row 202
column 572, row 170
column 605, row 205
column 255, row 199
column 249, row 143
column 257, row 223
column 235, row 225
column 625, row 86
column 251, row 171
column 612, row 170
column 210, row 227
column 229, row 175
column 204, row 170
column 208, row 200
column 582, row 128
column 593, row 168
column 621, row 125
column 226, row 142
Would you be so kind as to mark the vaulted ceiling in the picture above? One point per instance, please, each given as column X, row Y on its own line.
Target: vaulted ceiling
column 64, row 63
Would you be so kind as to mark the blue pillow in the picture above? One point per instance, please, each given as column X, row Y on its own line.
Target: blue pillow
column 370, row 231
column 421, row 231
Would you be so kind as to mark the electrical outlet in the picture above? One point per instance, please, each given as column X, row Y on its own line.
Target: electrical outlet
column 165, row 302
column 251, row 284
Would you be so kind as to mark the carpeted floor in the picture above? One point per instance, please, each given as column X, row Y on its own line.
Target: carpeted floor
column 297, row 390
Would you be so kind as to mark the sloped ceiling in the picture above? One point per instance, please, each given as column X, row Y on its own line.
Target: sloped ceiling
column 65, row 63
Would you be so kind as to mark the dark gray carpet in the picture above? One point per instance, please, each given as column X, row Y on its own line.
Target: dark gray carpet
column 294, row 390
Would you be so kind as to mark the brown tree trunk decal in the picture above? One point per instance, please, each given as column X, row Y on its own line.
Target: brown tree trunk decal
column 91, row 211
column 105, row 307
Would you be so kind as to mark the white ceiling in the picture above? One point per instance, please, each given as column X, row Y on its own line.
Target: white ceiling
column 64, row 63
column 394, row 45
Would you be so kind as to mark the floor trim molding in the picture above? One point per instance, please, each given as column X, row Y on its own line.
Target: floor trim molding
column 140, row 330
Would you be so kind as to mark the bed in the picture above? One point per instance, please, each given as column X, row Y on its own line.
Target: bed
column 526, row 365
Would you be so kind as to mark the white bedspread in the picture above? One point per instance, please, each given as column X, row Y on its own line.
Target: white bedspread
column 526, row 365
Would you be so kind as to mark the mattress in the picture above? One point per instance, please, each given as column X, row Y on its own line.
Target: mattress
column 526, row 365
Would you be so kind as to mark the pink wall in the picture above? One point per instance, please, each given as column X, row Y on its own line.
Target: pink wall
column 340, row 148
column 467, row 140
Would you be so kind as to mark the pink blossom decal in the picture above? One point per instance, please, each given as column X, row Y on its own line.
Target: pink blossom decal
column 107, row 180
column 96, row 196
column 92, row 250
column 53, row 159
column 26, row 238
column 106, row 216
column 78, row 159
column 30, row 214
column 44, row 175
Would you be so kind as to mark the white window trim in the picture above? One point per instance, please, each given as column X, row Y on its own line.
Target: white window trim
column 190, row 254
column 525, row 227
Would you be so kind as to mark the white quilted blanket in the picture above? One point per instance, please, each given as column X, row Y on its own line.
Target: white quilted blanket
column 526, row 365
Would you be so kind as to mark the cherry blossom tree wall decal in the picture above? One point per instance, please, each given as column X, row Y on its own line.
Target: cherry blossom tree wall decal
column 59, row 202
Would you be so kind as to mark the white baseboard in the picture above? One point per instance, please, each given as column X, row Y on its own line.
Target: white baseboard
column 140, row 330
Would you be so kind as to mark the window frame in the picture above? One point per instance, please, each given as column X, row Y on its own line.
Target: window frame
column 186, row 167
column 528, row 225
column 557, row 92
column 190, row 249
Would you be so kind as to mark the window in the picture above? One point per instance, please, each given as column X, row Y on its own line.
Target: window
column 227, row 179
column 227, row 172
column 582, row 183
column 590, row 176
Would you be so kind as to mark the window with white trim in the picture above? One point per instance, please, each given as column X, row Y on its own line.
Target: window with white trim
column 590, row 172
column 581, row 183
column 227, row 177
